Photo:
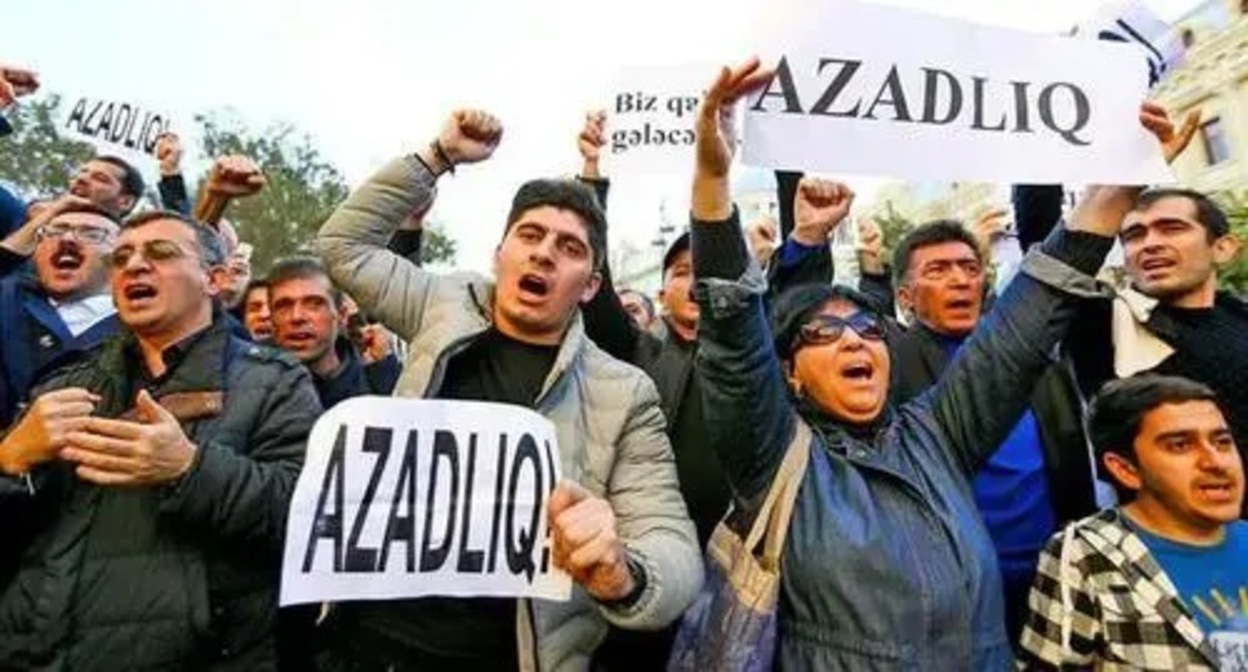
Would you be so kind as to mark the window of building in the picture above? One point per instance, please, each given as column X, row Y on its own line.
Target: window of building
column 1217, row 145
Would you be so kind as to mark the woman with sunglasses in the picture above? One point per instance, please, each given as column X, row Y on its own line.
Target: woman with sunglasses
column 887, row 564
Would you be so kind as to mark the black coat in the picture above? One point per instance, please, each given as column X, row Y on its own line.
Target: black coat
column 181, row 576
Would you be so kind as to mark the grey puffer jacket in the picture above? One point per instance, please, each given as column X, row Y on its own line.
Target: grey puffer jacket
column 176, row 577
column 888, row 565
column 606, row 413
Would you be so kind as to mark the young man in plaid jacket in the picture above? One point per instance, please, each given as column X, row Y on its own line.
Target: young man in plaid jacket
column 1161, row 582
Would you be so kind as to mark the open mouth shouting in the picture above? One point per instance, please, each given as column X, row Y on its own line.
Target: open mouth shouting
column 1218, row 491
column 299, row 340
column 860, row 370
column 139, row 294
column 534, row 288
column 67, row 261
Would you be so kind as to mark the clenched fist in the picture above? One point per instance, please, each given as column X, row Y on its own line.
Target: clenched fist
column 819, row 206
column 870, row 247
column 470, row 136
column 15, row 83
column 586, row 544
column 169, row 153
column 235, row 176
column 593, row 136
column 45, row 429
column 763, row 236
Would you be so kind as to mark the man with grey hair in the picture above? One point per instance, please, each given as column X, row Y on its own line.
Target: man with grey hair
column 145, row 490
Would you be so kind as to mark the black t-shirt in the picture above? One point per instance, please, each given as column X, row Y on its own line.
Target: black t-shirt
column 463, row 633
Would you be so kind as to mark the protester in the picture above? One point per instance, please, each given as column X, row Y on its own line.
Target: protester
column 1168, row 317
column 158, row 473
column 1040, row 478
column 1158, row 582
column 65, row 308
column 309, row 322
column 519, row 340
column 639, row 307
column 886, row 511
column 14, row 83
column 666, row 352
column 253, row 311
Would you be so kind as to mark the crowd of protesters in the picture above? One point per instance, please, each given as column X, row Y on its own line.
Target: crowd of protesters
column 1041, row 477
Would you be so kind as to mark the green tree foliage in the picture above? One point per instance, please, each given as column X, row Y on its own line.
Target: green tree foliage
column 36, row 158
column 302, row 191
column 1234, row 277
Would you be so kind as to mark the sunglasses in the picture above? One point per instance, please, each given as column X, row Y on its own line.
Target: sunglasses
column 154, row 251
column 82, row 234
column 824, row 329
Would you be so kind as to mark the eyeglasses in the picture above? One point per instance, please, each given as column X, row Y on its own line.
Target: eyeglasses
column 154, row 251
column 824, row 329
column 83, row 234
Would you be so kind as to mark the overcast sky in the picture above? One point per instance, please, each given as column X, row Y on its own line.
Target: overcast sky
column 370, row 79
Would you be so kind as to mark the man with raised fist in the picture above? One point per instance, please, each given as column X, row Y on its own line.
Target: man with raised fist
column 143, row 493
column 619, row 526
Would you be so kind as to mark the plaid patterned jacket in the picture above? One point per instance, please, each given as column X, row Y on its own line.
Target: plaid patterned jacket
column 1101, row 602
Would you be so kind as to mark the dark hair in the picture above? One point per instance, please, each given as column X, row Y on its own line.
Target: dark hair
column 209, row 241
column 302, row 268
column 90, row 209
column 645, row 300
column 936, row 232
column 797, row 305
column 565, row 195
column 1118, row 410
column 1208, row 213
column 131, row 179
column 682, row 243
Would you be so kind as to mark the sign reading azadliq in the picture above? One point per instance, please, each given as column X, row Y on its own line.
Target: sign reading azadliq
column 405, row 498
column 877, row 90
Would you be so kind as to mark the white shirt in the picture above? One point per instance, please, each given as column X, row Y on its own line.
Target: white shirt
column 83, row 314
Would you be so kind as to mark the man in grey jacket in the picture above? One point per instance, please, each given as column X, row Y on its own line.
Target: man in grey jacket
column 619, row 525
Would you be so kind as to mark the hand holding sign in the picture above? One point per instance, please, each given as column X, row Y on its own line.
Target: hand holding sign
column 169, row 153
column 15, row 83
column 818, row 207
column 235, row 176
column 116, row 452
column 45, row 429
column 470, row 136
column 586, row 543
column 1173, row 142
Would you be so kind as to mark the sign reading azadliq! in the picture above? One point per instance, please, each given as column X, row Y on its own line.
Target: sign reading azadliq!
column 122, row 124
column 405, row 498
column 877, row 90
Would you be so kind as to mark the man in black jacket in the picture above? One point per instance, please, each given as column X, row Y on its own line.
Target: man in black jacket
column 308, row 322
column 146, row 488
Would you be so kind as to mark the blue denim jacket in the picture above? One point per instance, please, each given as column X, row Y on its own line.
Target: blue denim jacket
column 888, row 565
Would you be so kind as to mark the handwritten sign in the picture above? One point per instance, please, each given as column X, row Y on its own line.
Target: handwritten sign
column 405, row 498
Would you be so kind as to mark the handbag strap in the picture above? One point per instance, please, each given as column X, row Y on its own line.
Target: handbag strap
column 771, row 526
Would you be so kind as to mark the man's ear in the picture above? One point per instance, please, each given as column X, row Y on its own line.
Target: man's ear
column 1226, row 249
column 591, row 287
column 126, row 202
column 1124, row 471
column 218, row 278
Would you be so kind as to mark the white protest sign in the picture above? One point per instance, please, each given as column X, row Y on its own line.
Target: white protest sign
column 1134, row 23
column 951, row 101
column 650, row 117
column 404, row 498
column 116, row 124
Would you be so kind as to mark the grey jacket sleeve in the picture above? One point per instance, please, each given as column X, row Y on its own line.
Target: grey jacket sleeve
column 987, row 388
column 651, row 517
column 241, row 494
column 353, row 244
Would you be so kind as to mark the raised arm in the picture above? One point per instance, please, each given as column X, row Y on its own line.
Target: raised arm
column 748, row 413
column 987, row 388
column 819, row 206
column 172, row 186
column 353, row 242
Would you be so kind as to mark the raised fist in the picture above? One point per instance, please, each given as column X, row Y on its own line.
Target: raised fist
column 990, row 226
column 15, row 83
column 169, row 153
column 594, row 136
column 470, row 136
column 818, row 208
column 870, row 246
column 235, row 176
column 763, row 236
